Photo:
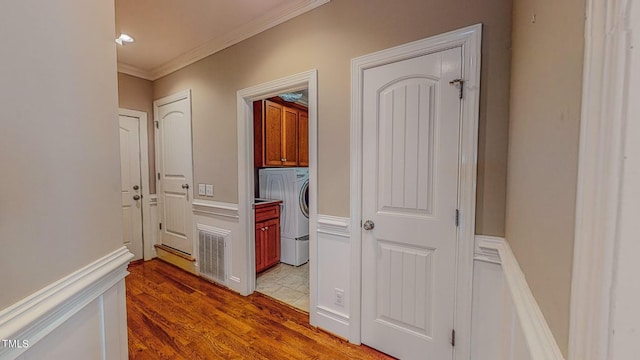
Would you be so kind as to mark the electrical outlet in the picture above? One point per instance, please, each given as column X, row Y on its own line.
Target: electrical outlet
column 209, row 190
column 201, row 189
column 339, row 297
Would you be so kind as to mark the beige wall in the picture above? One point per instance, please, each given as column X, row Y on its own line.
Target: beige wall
column 135, row 93
column 546, row 87
column 60, row 193
column 327, row 39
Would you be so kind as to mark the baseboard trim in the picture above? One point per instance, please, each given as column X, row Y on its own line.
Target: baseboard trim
column 39, row 314
column 538, row 336
column 183, row 262
column 333, row 322
column 175, row 252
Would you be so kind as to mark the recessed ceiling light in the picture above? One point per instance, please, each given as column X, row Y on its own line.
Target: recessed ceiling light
column 124, row 38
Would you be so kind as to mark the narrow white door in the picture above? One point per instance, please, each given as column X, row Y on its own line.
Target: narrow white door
column 131, row 185
column 411, row 122
column 173, row 114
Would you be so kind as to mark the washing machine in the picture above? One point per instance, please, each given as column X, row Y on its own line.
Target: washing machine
column 291, row 185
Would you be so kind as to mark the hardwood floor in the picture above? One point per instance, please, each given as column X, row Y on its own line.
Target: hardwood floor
column 175, row 315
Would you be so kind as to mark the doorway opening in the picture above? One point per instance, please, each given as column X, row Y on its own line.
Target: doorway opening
column 281, row 181
column 284, row 180
column 134, row 163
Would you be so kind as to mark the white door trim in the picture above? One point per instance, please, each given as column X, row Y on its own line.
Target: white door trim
column 245, row 98
column 147, row 246
column 600, row 171
column 469, row 39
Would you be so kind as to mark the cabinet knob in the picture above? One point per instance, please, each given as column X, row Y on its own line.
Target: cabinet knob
column 283, row 159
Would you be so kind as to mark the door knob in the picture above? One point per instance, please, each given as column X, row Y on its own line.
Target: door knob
column 185, row 186
column 136, row 197
column 136, row 187
column 368, row 225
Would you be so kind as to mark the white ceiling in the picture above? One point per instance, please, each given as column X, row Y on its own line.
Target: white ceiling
column 170, row 34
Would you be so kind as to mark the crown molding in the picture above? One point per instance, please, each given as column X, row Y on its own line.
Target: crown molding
column 134, row 71
column 263, row 23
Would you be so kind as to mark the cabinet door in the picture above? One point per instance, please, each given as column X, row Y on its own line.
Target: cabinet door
column 272, row 242
column 273, row 134
column 303, row 138
column 290, row 137
column 260, row 246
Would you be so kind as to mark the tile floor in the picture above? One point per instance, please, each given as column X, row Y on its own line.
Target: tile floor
column 287, row 283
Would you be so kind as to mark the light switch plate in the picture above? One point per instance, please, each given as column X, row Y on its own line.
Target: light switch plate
column 209, row 190
column 201, row 189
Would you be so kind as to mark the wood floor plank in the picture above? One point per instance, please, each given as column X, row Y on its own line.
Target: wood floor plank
column 175, row 315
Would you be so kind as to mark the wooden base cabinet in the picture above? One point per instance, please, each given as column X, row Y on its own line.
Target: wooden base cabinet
column 267, row 236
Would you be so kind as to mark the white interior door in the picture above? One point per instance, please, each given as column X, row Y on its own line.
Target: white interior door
column 131, row 184
column 173, row 114
column 411, row 122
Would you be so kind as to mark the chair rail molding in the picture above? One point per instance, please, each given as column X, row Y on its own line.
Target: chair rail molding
column 39, row 314
column 215, row 208
column 334, row 225
column 540, row 341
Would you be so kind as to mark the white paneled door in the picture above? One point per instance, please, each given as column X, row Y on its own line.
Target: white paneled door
column 411, row 123
column 131, row 184
column 173, row 115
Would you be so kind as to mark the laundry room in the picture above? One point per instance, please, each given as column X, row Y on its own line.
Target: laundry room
column 281, row 199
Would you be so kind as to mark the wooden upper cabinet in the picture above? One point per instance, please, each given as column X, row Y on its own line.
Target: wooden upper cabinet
column 290, row 137
column 303, row 138
column 273, row 134
column 279, row 130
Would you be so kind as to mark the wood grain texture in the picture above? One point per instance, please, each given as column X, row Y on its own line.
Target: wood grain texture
column 303, row 138
column 175, row 315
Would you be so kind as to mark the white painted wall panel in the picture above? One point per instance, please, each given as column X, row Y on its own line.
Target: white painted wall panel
column 78, row 338
column 223, row 216
column 487, row 312
column 506, row 321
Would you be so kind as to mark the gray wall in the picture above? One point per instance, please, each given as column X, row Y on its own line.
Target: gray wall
column 327, row 38
column 60, row 193
column 546, row 88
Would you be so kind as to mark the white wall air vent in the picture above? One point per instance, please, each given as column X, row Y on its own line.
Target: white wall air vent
column 212, row 251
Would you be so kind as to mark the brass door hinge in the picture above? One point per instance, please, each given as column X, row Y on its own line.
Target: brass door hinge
column 460, row 83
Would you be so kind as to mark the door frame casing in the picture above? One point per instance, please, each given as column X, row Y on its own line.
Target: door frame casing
column 469, row 40
column 147, row 246
column 245, row 98
column 602, row 220
column 184, row 94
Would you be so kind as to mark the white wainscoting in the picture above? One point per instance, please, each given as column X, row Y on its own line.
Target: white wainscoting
column 334, row 272
column 507, row 323
column 82, row 316
column 223, row 216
